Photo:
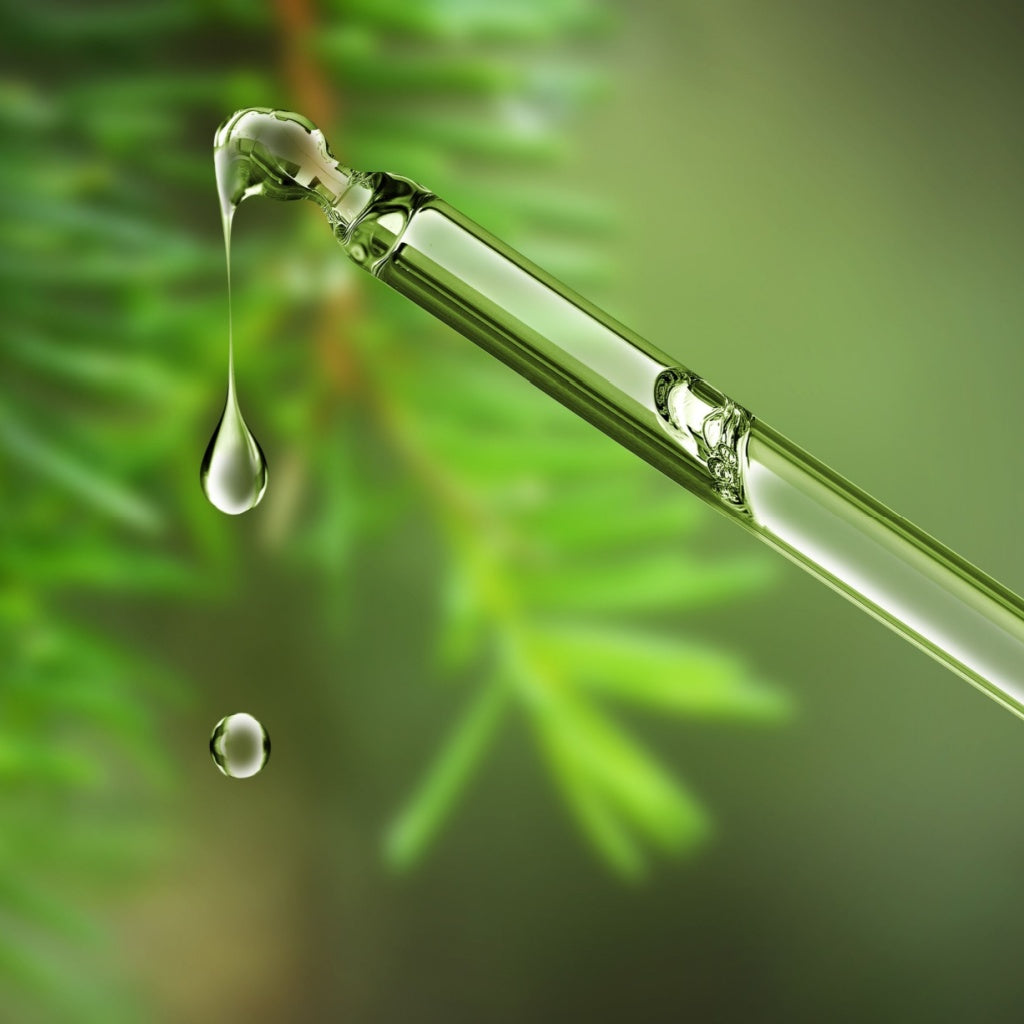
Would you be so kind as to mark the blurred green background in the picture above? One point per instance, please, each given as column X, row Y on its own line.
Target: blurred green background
column 550, row 742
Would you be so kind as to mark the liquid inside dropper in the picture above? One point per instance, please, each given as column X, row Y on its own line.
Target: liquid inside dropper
column 233, row 473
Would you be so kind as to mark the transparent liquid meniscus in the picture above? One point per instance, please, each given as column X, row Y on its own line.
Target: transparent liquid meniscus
column 417, row 244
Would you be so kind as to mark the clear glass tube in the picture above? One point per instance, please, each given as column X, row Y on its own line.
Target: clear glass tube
column 676, row 421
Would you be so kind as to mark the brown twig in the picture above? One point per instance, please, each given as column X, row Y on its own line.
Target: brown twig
column 314, row 98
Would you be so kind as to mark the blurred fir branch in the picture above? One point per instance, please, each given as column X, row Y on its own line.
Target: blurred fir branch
column 550, row 527
column 111, row 354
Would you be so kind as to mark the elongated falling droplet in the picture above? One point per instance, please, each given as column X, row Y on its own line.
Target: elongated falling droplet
column 233, row 473
column 240, row 746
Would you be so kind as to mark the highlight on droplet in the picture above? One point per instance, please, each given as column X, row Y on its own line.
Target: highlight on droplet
column 240, row 746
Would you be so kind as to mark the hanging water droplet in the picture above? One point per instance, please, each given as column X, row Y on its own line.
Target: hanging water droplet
column 240, row 746
column 233, row 473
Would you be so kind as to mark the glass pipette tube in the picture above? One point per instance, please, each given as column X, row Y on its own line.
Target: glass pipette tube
column 406, row 237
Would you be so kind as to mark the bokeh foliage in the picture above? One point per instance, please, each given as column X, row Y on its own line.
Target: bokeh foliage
column 559, row 546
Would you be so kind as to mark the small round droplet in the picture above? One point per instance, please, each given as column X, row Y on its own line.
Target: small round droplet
column 240, row 746
column 233, row 473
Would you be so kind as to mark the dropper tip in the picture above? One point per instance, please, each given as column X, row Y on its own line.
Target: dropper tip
column 279, row 154
column 240, row 121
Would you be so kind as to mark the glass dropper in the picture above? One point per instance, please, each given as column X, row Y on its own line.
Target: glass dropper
column 405, row 236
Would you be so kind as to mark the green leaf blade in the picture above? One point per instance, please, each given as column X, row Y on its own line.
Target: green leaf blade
column 664, row 675
column 417, row 824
